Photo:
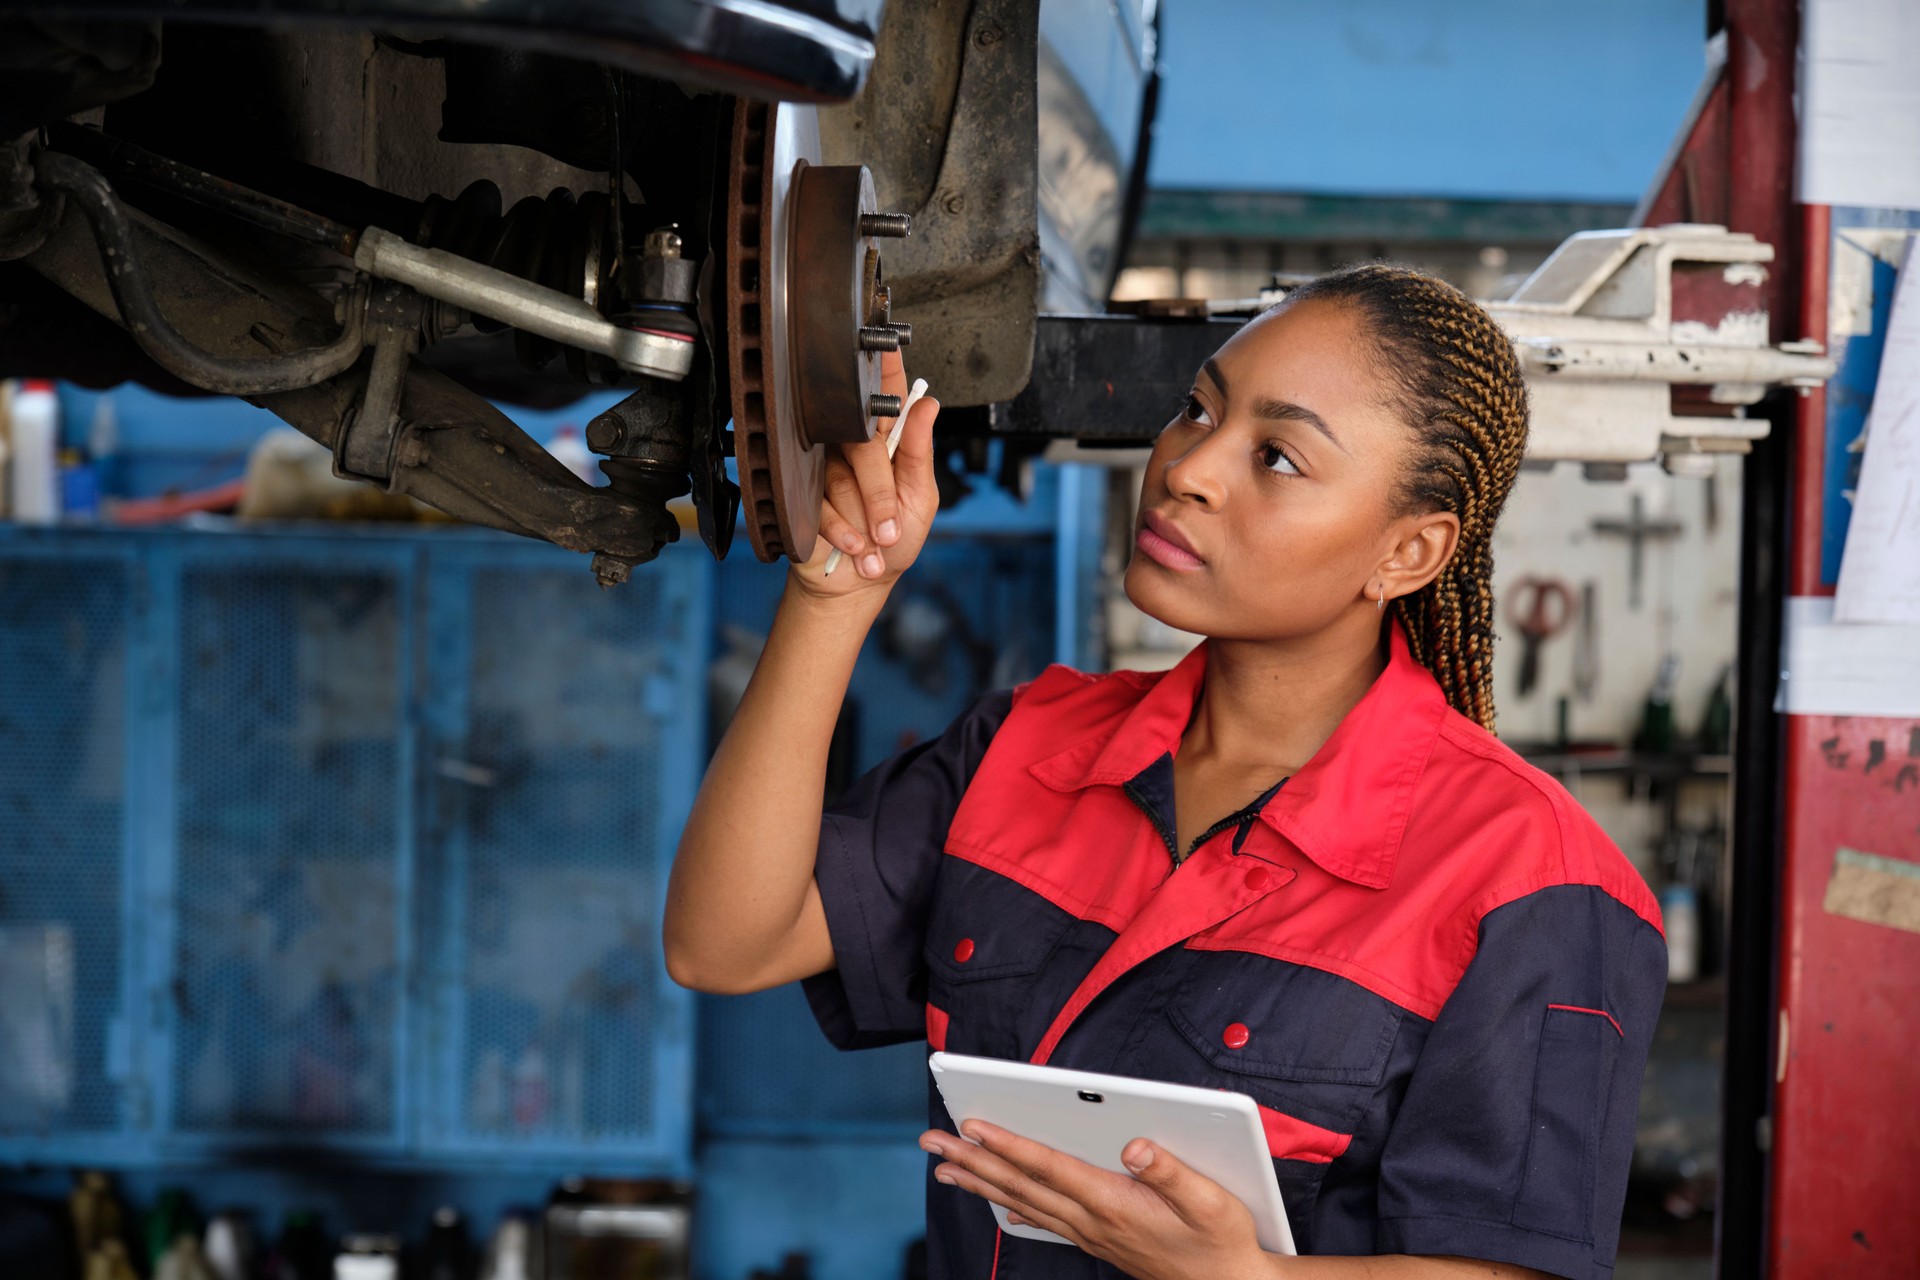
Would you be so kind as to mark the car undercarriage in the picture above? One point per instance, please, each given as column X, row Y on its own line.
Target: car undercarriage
column 383, row 230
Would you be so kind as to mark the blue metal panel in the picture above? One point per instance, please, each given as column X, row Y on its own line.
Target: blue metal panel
column 1079, row 625
column 563, row 777
column 769, row 1073
column 63, row 1055
column 291, row 846
column 492, row 758
column 851, row 1207
column 447, row 633
column 310, row 931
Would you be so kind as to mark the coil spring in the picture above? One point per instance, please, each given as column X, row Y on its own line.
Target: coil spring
column 562, row 241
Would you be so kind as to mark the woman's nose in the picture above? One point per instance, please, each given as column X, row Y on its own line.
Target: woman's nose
column 1199, row 474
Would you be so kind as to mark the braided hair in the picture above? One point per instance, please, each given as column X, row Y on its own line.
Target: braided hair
column 1457, row 381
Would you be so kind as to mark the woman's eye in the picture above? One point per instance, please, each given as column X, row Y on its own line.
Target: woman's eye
column 1275, row 459
column 1197, row 412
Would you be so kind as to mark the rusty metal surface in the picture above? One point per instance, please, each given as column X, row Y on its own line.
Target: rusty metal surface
column 123, row 162
column 899, row 129
column 1109, row 379
column 836, row 274
column 780, row 474
column 454, row 451
column 52, row 67
column 968, row 174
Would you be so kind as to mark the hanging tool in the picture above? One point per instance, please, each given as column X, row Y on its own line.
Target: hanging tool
column 1586, row 644
column 1636, row 529
column 1541, row 608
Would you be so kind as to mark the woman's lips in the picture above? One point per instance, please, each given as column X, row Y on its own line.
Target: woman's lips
column 1153, row 542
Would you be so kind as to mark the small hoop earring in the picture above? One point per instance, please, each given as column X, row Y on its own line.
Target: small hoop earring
column 1380, row 604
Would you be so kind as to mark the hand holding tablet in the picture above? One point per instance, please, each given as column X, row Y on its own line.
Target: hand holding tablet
column 1092, row 1117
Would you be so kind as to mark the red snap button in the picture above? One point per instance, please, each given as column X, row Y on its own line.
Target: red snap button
column 1258, row 877
column 1236, row 1035
column 963, row 951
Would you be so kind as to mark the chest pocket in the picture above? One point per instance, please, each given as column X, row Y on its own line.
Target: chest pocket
column 1311, row 1048
column 1306, row 1042
column 989, row 943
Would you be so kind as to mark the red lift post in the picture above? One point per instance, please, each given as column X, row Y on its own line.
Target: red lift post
column 1823, row 1134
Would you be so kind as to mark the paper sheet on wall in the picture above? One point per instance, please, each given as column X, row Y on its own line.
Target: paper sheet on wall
column 1880, row 568
column 1860, row 103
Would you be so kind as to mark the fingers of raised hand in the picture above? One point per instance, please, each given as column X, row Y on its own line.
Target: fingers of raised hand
column 843, row 521
column 881, row 502
column 893, row 374
column 842, row 515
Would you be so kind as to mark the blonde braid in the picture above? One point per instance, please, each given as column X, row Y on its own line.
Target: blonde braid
column 1459, row 384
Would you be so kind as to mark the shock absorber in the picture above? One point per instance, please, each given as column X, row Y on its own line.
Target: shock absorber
column 572, row 245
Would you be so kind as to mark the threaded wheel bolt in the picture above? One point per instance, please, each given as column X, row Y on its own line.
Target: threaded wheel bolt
column 890, row 225
column 880, row 406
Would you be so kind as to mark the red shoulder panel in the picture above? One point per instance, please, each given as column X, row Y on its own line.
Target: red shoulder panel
column 1486, row 829
column 1087, row 851
column 1482, row 829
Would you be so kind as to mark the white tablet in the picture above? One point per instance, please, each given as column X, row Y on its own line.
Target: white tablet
column 1093, row 1117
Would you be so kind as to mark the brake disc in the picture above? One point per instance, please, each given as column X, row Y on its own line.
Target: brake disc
column 807, row 314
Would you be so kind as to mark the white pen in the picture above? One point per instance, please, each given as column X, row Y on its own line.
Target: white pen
column 893, row 444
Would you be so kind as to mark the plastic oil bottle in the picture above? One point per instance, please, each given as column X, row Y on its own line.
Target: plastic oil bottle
column 33, row 470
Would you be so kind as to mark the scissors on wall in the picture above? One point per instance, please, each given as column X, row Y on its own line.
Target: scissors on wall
column 1542, row 608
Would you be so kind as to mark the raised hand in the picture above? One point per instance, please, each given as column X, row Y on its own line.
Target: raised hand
column 876, row 510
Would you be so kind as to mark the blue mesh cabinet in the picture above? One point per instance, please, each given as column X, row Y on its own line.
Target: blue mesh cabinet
column 342, row 844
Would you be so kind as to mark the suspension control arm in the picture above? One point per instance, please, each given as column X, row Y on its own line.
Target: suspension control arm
column 523, row 304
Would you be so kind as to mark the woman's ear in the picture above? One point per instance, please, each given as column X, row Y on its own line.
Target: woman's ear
column 1426, row 543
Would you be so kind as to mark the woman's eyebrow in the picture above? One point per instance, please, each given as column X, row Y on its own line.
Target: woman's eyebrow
column 1270, row 410
column 1211, row 368
column 1286, row 411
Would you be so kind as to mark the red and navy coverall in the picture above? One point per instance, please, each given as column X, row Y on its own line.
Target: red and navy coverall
column 1426, row 963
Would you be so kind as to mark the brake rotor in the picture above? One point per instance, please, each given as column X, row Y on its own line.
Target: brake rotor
column 807, row 312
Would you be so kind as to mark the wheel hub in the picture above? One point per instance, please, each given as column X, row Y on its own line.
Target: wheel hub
column 808, row 316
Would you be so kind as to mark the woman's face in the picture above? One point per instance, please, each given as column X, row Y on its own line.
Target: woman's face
column 1269, row 505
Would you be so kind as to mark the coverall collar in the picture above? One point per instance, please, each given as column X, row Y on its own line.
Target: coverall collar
column 1347, row 807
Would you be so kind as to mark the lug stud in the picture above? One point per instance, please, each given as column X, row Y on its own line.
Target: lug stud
column 879, row 338
column 880, row 406
column 890, row 225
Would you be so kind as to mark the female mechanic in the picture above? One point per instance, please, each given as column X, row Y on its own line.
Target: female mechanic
column 1298, row 866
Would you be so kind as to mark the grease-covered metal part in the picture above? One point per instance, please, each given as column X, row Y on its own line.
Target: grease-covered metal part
column 133, row 298
column 780, row 474
column 948, row 127
column 809, row 313
column 122, row 161
column 455, row 451
column 526, row 306
column 364, row 445
column 835, row 292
